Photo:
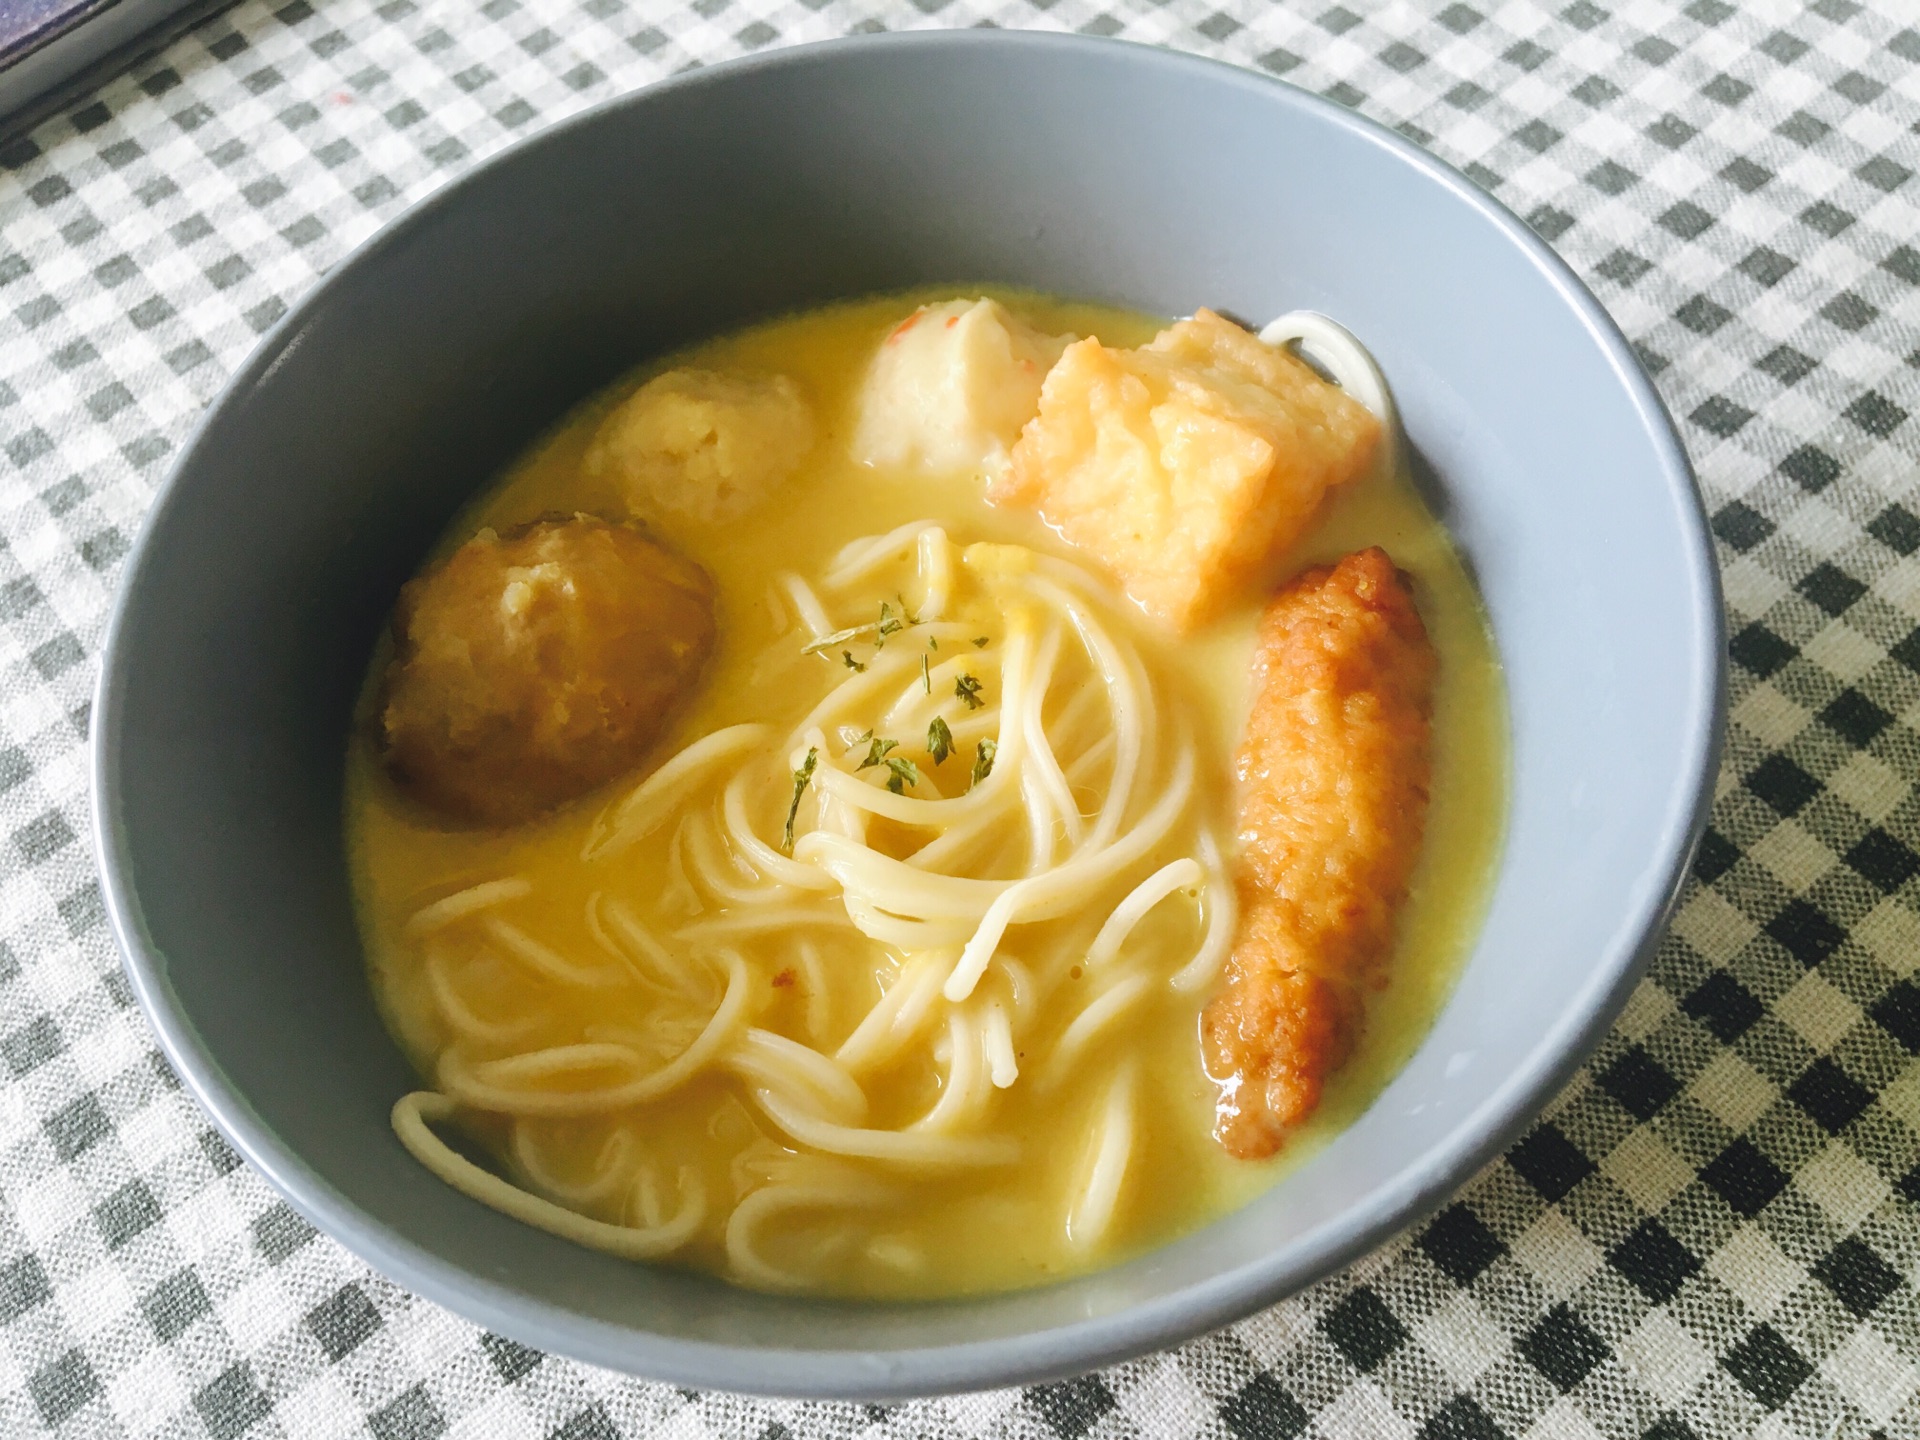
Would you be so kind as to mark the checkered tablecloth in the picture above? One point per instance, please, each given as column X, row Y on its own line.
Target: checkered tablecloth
column 1714, row 1231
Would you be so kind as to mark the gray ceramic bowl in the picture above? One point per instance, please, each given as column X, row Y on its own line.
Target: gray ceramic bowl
column 406, row 379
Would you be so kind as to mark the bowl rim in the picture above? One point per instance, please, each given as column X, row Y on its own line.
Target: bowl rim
column 1023, row 1358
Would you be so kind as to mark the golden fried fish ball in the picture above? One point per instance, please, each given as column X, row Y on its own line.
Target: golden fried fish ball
column 702, row 445
column 1332, row 777
column 532, row 667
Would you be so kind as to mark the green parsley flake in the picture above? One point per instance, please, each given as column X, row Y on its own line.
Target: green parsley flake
column 968, row 689
column 983, row 762
column 939, row 740
column 801, row 778
column 905, row 773
column 876, row 750
column 852, row 664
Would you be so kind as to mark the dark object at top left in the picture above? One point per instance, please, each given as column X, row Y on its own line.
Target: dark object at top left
column 52, row 52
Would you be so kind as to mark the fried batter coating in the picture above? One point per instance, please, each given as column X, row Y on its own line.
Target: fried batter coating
column 1333, row 777
column 1186, row 464
column 532, row 667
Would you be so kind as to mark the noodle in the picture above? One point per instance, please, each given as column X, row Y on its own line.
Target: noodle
column 611, row 1166
column 936, row 572
column 1101, row 1012
column 1132, row 910
column 1336, row 350
column 964, row 1091
column 752, row 1213
column 650, row 803
column 819, row 1000
column 1222, row 915
column 1055, row 892
column 679, row 896
column 859, row 558
column 902, row 934
column 898, row 1018
column 801, row 1074
column 717, row 870
column 1092, row 1209
column 997, row 1039
column 490, row 1085
column 1020, row 986
column 905, row 1147
column 644, row 955
column 806, row 605
column 1051, row 796
column 896, row 887
column 539, row 958
column 759, row 921
column 470, row 901
column 759, row 854
column 1007, row 845
column 411, row 1114
column 461, row 1018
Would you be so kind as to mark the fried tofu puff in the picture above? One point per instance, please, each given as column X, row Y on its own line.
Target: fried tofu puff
column 531, row 667
column 1332, row 778
column 1184, row 466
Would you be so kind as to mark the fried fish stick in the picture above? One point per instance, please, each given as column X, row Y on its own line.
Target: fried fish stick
column 1332, row 777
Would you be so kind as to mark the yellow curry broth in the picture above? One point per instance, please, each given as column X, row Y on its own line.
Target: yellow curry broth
column 973, row 1230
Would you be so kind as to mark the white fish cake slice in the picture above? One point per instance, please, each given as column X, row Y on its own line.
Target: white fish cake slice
column 950, row 387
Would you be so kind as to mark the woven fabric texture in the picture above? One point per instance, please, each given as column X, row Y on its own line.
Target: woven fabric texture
column 1713, row 1232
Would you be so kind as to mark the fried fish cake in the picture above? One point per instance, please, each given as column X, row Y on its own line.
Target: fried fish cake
column 532, row 667
column 950, row 388
column 1333, row 777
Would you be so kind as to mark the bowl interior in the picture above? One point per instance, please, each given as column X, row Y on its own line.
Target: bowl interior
column 1096, row 170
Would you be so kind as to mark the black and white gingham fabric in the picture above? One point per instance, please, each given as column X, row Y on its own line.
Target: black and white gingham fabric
column 1715, row 1231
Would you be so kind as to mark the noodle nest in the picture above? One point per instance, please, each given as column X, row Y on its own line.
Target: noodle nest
column 983, row 796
